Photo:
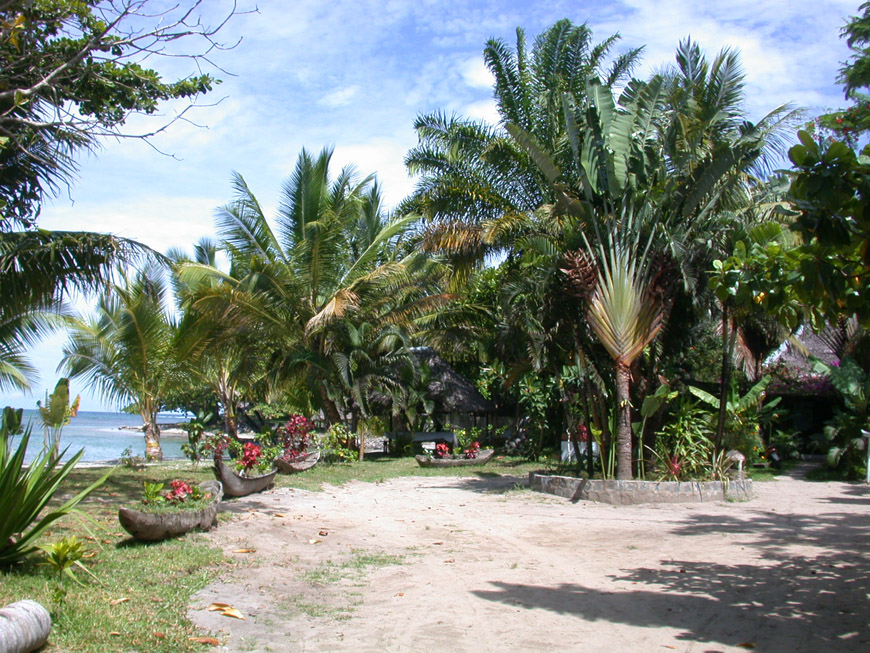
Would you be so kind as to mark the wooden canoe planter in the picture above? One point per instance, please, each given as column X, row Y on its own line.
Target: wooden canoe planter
column 160, row 526
column 236, row 485
column 302, row 463
column 483, row 457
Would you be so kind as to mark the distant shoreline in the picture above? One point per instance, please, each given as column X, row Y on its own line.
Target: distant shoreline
column 169, row 430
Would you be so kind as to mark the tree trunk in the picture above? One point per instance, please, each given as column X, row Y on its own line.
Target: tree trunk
column 329, row 407
column 24, row 626
column 729, row 342
column 623, row 422
column 231, row 424
column 153, row 452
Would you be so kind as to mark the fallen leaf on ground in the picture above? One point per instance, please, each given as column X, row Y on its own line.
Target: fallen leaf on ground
column 279, row 514
column 400, row 594
column 211, row 641
column 437, row 543
column 232, row 612
column 159, row 635
column 314, row 541
column 746, row 645
column 245, row 551
column 215, row 607
column 323, row 533
column 451, row 560
column 115, row 633
column 117, row 601
column 226, row 610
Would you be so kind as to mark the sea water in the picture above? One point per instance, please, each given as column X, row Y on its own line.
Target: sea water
column 101, row 436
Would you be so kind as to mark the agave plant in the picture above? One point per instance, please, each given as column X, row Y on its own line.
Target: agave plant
column 25, row 492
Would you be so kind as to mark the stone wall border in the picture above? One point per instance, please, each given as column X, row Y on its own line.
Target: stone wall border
column 625, row 493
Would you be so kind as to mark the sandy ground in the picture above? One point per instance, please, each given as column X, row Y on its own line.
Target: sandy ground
column 476, row 564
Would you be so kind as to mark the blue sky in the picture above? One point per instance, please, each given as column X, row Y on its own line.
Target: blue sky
column 354, row 75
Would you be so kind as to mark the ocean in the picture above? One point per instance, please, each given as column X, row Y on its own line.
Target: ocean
column 100, row 436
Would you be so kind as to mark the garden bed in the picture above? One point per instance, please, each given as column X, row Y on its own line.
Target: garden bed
column 624, row 493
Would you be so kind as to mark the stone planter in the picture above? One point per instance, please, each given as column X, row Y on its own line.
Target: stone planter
column 236, row 485
column 160, row 526
column 623, row 493
column 483, row 457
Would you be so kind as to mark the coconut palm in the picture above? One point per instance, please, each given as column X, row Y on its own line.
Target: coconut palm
column 225, row 356
column 124, row 351
column 332, row 262
column 37, row 269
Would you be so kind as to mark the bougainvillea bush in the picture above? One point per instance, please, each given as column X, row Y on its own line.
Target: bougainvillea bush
column 294, row 437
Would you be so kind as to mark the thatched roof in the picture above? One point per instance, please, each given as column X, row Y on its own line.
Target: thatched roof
column 793, row 370
column 451, row 391
column 795, row 353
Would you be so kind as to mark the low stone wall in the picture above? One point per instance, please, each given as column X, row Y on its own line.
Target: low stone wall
column 623, row 493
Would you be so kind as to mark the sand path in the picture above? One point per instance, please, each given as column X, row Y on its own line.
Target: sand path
column 475, row 564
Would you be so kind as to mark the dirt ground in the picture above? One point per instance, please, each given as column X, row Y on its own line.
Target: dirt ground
column 479, row 564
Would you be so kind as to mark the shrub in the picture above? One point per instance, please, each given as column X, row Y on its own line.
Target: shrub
column 25, row 491
column 337, row 445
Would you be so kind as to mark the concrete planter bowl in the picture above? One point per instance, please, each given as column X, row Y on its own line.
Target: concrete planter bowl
column 624, row 493
column 160, row 526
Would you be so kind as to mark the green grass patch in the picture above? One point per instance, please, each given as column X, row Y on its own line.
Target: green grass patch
column 139, row 600
column 380, row 468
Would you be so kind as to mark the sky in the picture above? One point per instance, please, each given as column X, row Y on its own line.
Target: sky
column 355, row 75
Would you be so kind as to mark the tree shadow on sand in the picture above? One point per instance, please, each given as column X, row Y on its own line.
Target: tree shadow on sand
column 801, row 604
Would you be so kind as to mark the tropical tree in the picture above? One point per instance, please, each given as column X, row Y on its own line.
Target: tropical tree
column 38, row 269
column 674, row 152
column 125, row 350
column 477, row 183
column 218, row 352
column 328, row 291
column 72, row 73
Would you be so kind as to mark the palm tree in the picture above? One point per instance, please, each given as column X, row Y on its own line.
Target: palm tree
column 125, row 350
column 332, row 265
column 225, row 356
column 478, row 185
column 37, row 269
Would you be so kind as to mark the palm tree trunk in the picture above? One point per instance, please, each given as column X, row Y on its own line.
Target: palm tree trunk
column 329, row 407
column 623, row 422
column 729, row 342
column 153, row 452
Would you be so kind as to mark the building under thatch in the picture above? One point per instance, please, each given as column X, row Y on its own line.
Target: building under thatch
column 807, row 394
column 451, row 392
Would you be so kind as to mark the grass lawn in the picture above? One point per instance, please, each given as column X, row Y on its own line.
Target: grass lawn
column 139, row 600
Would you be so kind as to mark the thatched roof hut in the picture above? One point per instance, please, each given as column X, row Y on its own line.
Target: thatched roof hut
column 451, row 392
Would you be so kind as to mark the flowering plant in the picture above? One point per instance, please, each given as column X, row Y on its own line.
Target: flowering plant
column 180, row 493
column 250, row 459
column 472, row 450
column 442, row 450
column 294, row 437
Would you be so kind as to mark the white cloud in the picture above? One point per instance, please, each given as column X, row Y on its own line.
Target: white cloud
column 340, row 97
column 476, row 74
column 485, row 110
